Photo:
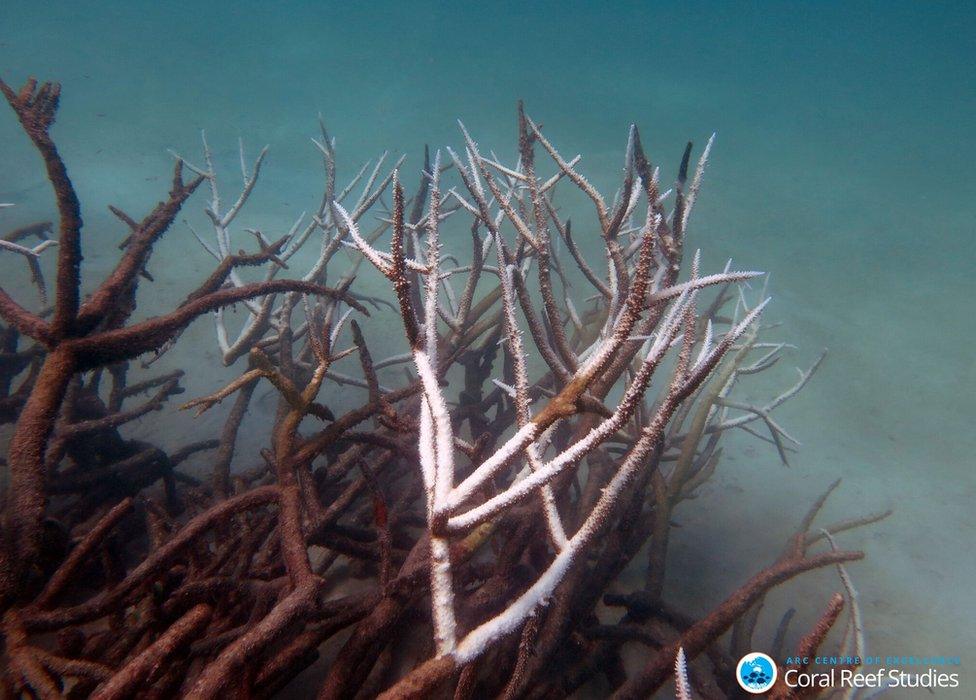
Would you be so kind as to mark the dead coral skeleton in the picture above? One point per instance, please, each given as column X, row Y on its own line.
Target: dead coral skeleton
column 497, row 494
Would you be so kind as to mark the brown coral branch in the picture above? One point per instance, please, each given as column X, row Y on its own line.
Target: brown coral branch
column 128, row 678
column 122, row 279
column 186, row 537
column 81, row 552
column 808, row 646
column 24, row 321
column 656, row 671
column 132, row 341
column 36, row 109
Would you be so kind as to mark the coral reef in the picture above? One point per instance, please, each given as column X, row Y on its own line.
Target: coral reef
column 463, row 531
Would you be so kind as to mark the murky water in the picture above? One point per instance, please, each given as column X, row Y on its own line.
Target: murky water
column 843, row 165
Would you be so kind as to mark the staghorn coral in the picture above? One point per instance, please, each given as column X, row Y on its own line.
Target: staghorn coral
column 493, row 501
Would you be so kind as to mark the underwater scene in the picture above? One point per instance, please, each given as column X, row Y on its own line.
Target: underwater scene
column 473, row 350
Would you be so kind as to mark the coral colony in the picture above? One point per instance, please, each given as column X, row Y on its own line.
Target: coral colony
column 463, row 527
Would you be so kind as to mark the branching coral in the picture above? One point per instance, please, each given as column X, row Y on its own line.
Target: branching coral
column 492, row 498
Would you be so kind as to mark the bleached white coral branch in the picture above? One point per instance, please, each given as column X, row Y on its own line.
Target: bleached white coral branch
column 696, row 182
column 33, row 257
column 681, row 685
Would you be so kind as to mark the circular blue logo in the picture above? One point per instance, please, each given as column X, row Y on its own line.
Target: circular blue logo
column 756, row 673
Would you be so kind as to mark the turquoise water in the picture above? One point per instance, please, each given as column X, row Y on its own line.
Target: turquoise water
column 843, row 165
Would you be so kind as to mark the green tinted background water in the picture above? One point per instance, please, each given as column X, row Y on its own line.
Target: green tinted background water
column 844, row 165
